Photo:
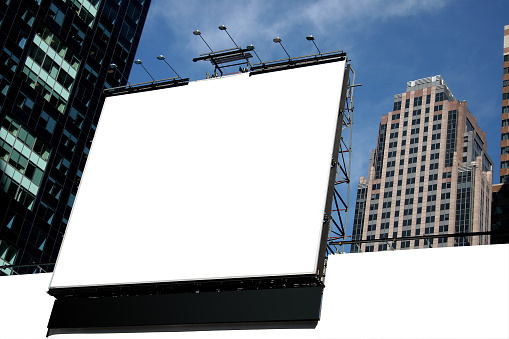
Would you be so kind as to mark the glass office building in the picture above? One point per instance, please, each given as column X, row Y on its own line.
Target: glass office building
column 56, row 58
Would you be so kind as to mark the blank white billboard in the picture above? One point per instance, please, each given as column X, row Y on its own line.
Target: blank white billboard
column 222, row 178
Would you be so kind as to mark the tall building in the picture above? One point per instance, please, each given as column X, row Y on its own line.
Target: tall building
column 56, row 58
column 500, row 209
column 429, row 174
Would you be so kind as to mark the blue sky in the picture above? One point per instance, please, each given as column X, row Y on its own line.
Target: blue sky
column 388, row 43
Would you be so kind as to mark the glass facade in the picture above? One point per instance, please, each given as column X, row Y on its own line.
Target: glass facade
column 54, row 64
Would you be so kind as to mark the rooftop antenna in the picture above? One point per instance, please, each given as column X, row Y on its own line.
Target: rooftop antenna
column 197, row 32
column 163, row 58
column 113, row 69
column 139, row 62
column 277, row 40
column 252, row 48
column 223, row 28
column 312, row 39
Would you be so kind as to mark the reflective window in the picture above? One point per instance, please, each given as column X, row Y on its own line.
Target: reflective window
column 56, row 13
column 86, row 10
column 50, row 122
column 23, row 160
column 51, row 68
column 9, row 59
column 76, row 117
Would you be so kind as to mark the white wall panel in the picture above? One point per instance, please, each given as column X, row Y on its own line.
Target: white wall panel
column 456, row 292
column 222, row 178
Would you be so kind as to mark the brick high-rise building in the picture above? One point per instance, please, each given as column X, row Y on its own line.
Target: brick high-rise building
column 500, row 209
column 429, row 174
column 56, row 59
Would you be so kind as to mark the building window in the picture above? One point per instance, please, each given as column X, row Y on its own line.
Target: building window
column 9, row 59
column 56, row 14
column 4, row 85
column 49, row 122
column 8, row 256
column 62, row 164
column 45, row 212
column 24, row 102
column 51, row 68
column 23, row 158
column 133, row 12
column 69, row 140
column 76, row 117
column 29, row 17
column 86, row 10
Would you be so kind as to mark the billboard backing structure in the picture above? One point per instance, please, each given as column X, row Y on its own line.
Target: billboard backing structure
column 223, row 182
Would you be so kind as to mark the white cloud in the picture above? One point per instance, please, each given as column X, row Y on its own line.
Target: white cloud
column 252, row 20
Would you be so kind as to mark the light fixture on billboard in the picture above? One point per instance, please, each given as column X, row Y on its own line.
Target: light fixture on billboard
column 312, row 39
column 197, row 32
column 223, row 28
column 163, row 58
column 278, row 40
column 251, row 48
column 113, row 68
column 139, row 62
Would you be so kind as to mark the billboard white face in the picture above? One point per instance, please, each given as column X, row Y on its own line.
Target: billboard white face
column 222, row 178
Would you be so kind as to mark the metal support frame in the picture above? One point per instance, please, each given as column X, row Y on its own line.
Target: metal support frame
column 226, row 58
column 339, row 215
column 306, row 60
column 418, row 237
column 146, row 86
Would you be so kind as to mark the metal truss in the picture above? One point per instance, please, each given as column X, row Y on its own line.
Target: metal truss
column 340, row 207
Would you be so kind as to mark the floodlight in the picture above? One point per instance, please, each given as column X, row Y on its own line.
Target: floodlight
column 278, row 40
column 139, row 62
column 223, row 28
column 197, row 32
column 113, row 68
column 163, row 58
column 252, row 48
column 312, row 39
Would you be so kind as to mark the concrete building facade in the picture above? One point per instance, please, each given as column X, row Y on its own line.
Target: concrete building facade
column 500, row 209
column 429, row 174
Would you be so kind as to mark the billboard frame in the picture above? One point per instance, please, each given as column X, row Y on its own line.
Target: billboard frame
column 277, row 281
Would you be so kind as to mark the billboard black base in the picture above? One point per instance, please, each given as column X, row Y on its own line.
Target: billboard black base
column 267, row 308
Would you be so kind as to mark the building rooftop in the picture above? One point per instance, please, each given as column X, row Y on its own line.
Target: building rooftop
column 435, row 80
